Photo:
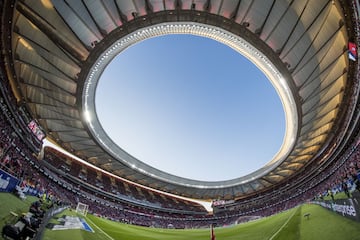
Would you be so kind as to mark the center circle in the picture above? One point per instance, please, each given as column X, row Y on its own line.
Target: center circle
column 190, row 106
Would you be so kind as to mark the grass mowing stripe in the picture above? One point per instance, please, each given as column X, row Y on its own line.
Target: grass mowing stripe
column 107, row 235
column 282, row 227
column 326, row 224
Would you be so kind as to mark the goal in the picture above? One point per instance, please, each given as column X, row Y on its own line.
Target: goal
column 82, row 208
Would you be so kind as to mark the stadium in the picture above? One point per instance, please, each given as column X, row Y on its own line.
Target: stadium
column 55, row 152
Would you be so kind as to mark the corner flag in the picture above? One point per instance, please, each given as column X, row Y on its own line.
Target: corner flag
column 212, row 234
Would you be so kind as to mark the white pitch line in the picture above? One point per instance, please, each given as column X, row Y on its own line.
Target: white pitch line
column 287, row 221
column 107, row 235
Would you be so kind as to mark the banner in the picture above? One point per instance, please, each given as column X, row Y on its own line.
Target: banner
column 349, row 208
column 7, row 182
column 30, row 191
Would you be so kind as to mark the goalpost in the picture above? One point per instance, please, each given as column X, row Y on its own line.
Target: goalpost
column 82, row 208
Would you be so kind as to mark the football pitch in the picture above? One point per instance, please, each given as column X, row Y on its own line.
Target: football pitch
column 289, row 225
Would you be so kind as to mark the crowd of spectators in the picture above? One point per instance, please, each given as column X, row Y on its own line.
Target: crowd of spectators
column 116, row 186
column 18, row 161
column 345, row 180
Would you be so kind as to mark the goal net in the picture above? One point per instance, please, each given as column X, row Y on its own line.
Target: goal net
column 82, row 208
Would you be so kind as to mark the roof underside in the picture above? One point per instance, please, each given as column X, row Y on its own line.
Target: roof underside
column 52, row 42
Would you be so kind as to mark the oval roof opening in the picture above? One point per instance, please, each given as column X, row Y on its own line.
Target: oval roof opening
column 190, row 106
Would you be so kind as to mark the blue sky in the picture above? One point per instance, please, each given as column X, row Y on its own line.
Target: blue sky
column 192, row 107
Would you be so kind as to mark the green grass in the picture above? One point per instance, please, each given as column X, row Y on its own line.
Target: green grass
column 324, row 224
column 11, row 203
column 288, row 225
column 72, row 234
column 291, row 229
column 260, row 229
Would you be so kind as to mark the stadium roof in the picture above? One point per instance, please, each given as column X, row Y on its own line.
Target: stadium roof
column 54, row 47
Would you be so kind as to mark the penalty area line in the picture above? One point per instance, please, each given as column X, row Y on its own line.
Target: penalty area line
column 107, row 235
column 281, row 228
